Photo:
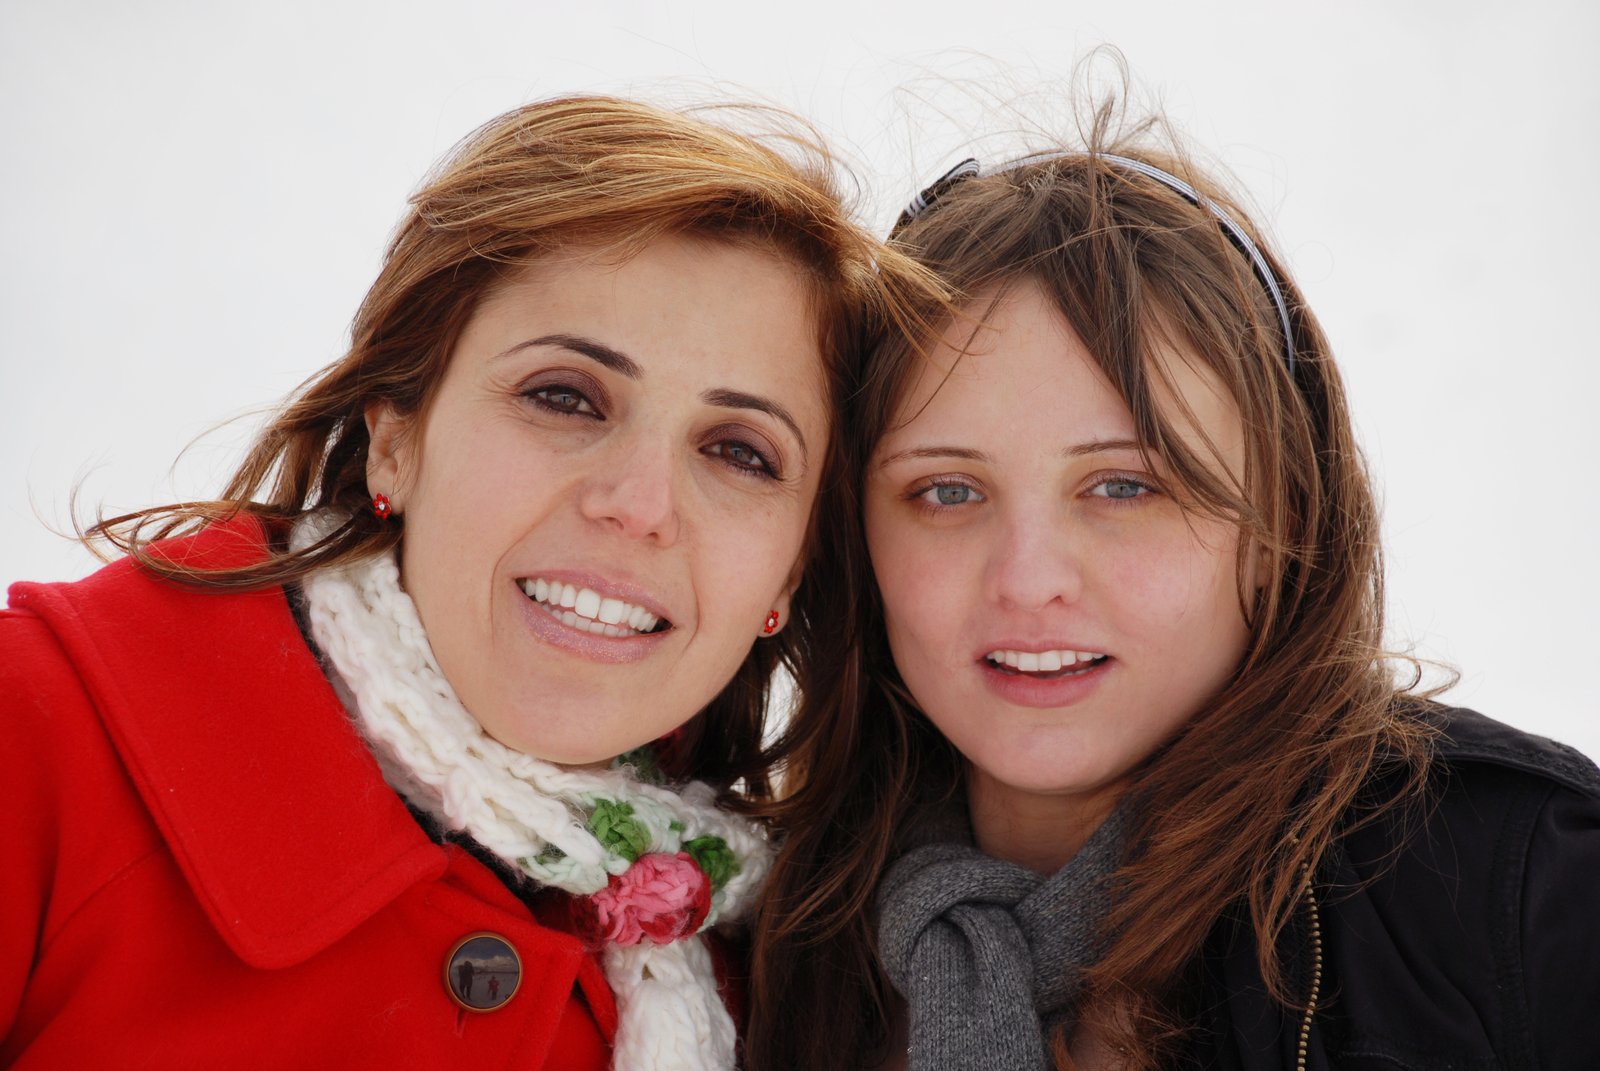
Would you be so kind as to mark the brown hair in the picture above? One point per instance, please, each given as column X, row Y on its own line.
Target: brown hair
column 592, row 172
column 1244, row 801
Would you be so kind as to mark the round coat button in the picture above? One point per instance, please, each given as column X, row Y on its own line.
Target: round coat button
column 482, row 971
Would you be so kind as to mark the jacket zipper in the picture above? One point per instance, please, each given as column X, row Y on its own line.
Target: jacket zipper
column 1316, row 970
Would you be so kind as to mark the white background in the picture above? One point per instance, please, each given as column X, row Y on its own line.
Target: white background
column 194, row 196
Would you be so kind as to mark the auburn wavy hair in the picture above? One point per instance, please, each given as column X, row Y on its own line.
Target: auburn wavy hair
column 600, row 174
column 1237, row 808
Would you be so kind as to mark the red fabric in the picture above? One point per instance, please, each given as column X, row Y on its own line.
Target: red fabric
column 206, row 869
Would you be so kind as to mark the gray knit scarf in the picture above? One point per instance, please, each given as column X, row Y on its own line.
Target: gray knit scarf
column 988, row 954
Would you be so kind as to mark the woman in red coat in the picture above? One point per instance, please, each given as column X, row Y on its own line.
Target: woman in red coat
column 351, row 765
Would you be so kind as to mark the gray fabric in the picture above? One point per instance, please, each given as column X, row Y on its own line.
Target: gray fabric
column 988, row 954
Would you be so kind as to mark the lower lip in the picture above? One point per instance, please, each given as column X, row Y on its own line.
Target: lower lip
column 1032, row 690
column 584, row 644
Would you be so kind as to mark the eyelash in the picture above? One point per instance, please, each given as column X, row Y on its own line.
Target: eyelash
column 763, row 469
column 539, row 397
column 1146, row 488
column 919, row 497
column 763, row 466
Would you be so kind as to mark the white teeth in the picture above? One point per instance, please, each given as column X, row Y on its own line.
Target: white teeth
column 584, row 609
column 1043, row 661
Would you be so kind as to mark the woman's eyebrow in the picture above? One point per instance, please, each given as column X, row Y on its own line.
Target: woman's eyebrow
column 598, row 352
column 963, row 453
column 1101, row 446
column 737, row 399
column 958, row 453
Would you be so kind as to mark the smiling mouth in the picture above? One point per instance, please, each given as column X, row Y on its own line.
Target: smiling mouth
column 589, row 611
column 1043, row 664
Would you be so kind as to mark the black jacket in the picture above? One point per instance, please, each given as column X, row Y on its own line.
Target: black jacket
column 1462, row 934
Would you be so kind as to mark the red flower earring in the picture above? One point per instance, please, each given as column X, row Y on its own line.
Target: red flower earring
column 772, row 623
column 380, row 507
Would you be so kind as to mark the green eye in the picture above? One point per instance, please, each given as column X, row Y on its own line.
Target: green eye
column 952, row 494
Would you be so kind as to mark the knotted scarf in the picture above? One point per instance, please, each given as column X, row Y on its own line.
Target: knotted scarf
column 988, row 954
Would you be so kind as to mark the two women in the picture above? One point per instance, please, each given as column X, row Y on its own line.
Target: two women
column 1114, row 774
column 354, row 768
column 1127, row 780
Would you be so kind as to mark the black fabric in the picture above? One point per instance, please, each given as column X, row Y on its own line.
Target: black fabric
column 1461, row 934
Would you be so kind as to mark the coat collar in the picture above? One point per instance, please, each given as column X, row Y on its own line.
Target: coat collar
column 269, row 800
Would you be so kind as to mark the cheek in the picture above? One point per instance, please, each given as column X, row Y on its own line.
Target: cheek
column 748, row 558
column 1182, row 600
column 924, row 597
column 459, row 518
column 1173, row 575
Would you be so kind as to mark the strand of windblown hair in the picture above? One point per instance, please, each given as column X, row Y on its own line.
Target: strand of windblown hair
column 1237, row 236
column 531, row 813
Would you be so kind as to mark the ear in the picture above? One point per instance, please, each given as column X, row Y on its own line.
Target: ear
column 389, row 448
column 1258, row 569
column 782, row 603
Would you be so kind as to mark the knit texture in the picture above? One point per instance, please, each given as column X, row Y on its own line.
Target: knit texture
column 988, row 954
column 654, row 863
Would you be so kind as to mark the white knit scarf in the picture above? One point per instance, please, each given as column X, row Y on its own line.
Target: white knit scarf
column 580, row 831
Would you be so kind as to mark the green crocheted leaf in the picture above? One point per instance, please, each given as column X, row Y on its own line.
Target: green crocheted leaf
column 714, row 857
column 617, row 830
column 547, row 855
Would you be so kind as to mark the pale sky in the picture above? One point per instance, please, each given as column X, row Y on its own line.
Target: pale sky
column 196, row 195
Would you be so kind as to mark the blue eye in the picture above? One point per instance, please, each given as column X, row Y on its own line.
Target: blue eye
column 947, row 495
column 1120, row 489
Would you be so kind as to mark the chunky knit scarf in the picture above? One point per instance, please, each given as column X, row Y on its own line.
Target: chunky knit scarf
column 652, row 866
column 988, row 954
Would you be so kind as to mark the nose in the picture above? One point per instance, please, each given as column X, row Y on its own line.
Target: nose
column 632, row 489
column 1035, row 559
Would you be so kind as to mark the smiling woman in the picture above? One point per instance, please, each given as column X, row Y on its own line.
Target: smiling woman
column 418, row 746
column 606, row 434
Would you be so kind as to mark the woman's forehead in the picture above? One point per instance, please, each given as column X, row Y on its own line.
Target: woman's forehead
column 1011, row 364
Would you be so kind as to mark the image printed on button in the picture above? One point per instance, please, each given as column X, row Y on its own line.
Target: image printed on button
column 482, row 971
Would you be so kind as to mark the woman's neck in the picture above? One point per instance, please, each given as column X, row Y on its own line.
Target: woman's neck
column 1037, row 830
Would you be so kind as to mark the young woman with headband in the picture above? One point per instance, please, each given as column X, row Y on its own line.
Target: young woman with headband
column 1128, row 780
column 350, row 767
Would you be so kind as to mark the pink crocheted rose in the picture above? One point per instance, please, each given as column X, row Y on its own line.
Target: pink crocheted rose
column 662, row 897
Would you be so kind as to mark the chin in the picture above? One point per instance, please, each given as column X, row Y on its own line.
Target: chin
column 1046, row 774
column 561, row 753
column 578, row 748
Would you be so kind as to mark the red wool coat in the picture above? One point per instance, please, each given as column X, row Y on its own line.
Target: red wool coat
column 204, row 867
